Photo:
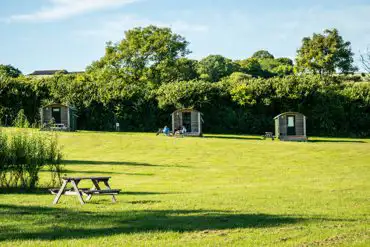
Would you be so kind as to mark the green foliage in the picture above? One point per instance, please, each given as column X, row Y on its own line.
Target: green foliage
column 252, row 67
column 145, row 55
column 324, row 54
column 187, row 94
column 263, row 54
column 266, row 67
column 142, row 79
column 9, row 71
column 21, row 120
column 16, row 94
column 22, row 156
column 215, row 67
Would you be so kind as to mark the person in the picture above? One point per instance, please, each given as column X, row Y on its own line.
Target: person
column 166, row 130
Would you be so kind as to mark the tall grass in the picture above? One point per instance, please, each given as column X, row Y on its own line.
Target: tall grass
column 22, row 156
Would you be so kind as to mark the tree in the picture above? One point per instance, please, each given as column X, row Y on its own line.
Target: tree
column 9, row 71
column 324, row 54
column 262, row 54
column 365, row 60
column 252, row 67
column 144, row 55
column 215, row 67
column 185, row 69
column 285, row 61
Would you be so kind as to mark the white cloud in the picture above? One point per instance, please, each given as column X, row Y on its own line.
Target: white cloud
column 115, row 28
column 62, row 9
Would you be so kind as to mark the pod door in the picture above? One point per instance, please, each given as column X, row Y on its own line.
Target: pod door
column 291, row 126
column 56, row 114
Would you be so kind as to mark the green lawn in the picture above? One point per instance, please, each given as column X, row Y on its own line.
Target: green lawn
column 213, row 191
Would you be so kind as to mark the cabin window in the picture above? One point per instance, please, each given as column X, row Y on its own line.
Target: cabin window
column 290, row 121
column 56, row 109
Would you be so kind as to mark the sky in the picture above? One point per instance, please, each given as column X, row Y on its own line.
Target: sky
column 70, row 34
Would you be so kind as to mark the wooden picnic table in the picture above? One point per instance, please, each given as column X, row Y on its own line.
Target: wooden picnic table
column 76, row 191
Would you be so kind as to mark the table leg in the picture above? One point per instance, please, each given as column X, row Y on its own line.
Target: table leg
column 96, row 186
column 78, row 193
column 108, row 187
column 60, row 192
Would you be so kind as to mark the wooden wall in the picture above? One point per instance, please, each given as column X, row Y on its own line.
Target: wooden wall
column 47, row 114
column 281, row 127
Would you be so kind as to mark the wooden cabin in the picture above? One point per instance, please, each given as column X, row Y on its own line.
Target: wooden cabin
column 189, row 118
column 290, row 126
column 58, row 117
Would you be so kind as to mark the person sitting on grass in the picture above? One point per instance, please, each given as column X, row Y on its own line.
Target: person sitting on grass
column 183, row 130
column 166, row 130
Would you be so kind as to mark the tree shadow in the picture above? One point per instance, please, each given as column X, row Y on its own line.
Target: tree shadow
column 120, row 163
column 45, row 191
column 107, row 172
column 336, row 141
column 144, row 202
column 37, row 191
column 85, row 224
column 93, row 162
column 143, row 193
column 232, row 137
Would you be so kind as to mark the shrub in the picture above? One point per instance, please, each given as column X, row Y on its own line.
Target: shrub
column 23, row 154
column 21, row 120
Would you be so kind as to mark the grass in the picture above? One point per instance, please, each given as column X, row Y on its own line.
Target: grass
column 221, row 190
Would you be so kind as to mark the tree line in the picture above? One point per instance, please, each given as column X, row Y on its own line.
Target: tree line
column 147, row 75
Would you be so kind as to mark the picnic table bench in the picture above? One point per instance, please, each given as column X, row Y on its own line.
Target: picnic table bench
column 268, row 135
column 76, row 191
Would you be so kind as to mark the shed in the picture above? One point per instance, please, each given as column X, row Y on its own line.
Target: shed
column 290, row 126
column 189, row 118
column 58, row 116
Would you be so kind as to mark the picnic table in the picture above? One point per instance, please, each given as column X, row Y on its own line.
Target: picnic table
column 268, row 135
column 76, row 191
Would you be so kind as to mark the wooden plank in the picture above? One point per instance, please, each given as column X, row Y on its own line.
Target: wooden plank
column 96, row 187
column 113, row 197
column 61, row 190
column 101, row 192
column 78, row 193
column 86, row 178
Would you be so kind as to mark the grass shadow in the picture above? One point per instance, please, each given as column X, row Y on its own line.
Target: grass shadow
column 232, row 137
column 336, row 141
column 38, row 191
column 144, row 193
column 107, row 173
column 144, row 202
column 119, row 163
column 84, row 224
column 91, row 162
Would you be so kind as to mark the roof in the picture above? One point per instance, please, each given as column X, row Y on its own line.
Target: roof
column 48, row 72
column 185, row 110
column 76, row 72
column 288, row 113
column 58, row 104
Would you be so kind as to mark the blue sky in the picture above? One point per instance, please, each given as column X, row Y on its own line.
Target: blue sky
column 70, row 34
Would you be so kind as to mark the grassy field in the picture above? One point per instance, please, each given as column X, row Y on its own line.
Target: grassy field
column 212, row 191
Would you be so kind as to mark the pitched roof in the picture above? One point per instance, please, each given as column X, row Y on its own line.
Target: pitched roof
column 288, row 113
column 48, row 72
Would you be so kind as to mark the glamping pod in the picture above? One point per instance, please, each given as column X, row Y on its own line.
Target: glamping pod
column 58, row 117
column 290, row 126
column 189, row 118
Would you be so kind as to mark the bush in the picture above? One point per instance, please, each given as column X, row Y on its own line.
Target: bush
column 21, row 120
column 23, row 154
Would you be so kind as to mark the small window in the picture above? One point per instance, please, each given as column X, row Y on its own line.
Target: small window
column 56, row 109
column 290, row 121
